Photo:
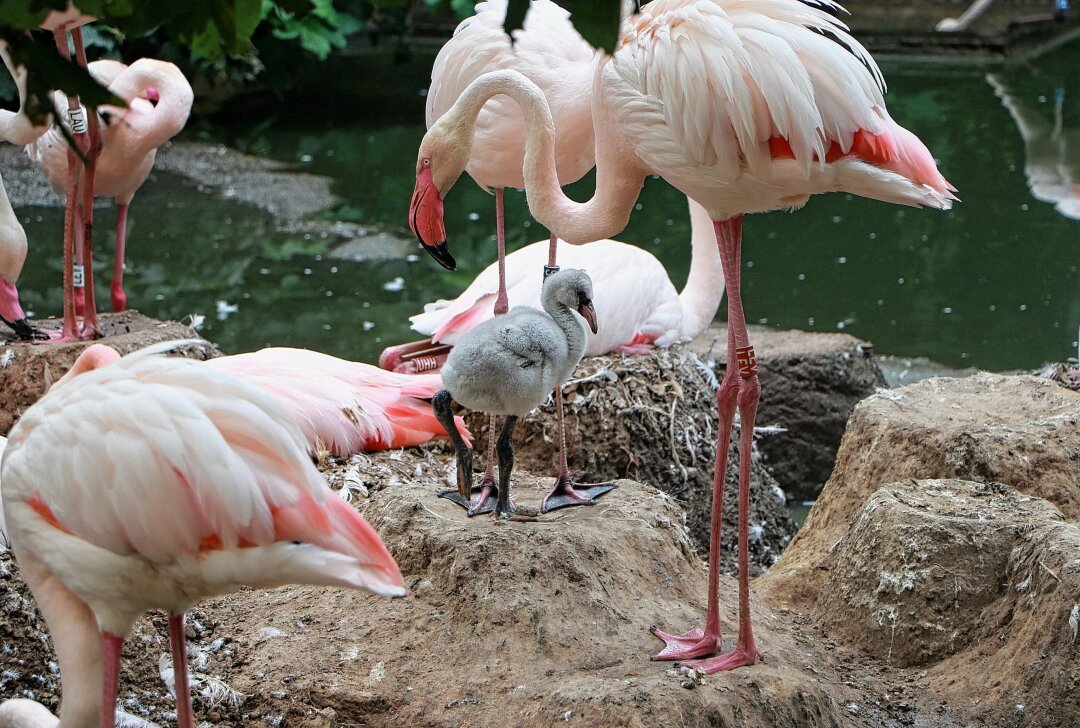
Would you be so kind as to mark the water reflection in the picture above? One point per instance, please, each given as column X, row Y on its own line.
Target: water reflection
column 1051, row 149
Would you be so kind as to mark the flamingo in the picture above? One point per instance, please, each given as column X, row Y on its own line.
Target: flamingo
column 159, row 101
column 743, row 106
column 175, row 481
column 551, row 52
column 637, row 305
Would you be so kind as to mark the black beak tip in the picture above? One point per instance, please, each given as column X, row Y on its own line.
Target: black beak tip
column 442, row 254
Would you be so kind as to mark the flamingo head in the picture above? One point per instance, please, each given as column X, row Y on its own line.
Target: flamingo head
column 442, row 158
column 93, row 357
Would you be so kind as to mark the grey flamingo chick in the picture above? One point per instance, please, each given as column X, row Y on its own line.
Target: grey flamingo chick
column 509, row 365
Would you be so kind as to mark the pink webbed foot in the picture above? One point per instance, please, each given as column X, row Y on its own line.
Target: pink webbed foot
column 566, row 492
column 739, row 657
column 689, row 645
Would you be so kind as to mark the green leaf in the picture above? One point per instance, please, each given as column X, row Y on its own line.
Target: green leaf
column 515, row 16
column 598, row 22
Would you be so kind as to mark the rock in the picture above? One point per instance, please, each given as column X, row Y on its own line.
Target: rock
column 810, row 383
column 653, row 418
column 27, row 370
column 1019, row 430
column 910, row 579
column 975, row 583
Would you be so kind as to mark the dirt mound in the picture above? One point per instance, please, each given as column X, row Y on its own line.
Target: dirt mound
column 810, row 383
column 653, row 419
column 911, row 577
column 533, row 622
column 26, row 370
column 1019, row 430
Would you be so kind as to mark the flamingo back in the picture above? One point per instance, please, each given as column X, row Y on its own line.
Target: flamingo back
column 549, row 52
column 168, row 459
column 345, row 407
column 713, row 92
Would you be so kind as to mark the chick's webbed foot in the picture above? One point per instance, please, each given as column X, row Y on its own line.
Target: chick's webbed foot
column 566, row 492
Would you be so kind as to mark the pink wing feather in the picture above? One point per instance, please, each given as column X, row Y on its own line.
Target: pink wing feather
column 343, row 406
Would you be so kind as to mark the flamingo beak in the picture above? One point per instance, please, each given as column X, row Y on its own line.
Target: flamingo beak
column 152, row 95
column 589, row 314
column 426, row 219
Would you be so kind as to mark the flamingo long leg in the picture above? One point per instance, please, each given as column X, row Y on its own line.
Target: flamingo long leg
column 178, row 646
column 70, row 331
column 112, row 647
column 118, row 295
column 90, row 143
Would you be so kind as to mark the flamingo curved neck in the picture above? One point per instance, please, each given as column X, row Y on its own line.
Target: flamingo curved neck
column 618, row 177
column 704, row 289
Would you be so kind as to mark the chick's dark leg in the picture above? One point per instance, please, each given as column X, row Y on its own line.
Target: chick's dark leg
column 565, row 492
column 504, row 508
column 463, row 494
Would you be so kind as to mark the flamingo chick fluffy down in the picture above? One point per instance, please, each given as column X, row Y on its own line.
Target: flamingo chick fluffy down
column 509, row 365
column 152, row 483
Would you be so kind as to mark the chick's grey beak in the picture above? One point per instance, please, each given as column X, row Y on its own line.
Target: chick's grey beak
column 589, row 314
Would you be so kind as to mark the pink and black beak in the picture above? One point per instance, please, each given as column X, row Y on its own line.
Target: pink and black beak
column 585, row 308
column 426, row 219
column 152, row 95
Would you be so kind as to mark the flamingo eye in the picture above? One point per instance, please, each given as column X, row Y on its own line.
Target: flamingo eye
column 426, row 162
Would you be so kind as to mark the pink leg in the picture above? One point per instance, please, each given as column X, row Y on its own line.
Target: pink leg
column 80, row 262
column 91, row 141
column 565, row 491
column 747, row 391
column 178, row 644
column 112, row 647
column 119, row 297
column 502, row 305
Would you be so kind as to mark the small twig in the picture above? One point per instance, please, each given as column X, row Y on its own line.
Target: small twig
column 1049, row 571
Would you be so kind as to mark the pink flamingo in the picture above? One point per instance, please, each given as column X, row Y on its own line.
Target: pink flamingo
column 177, row 482
column 637, row 306
column 744, row 107
column 159, row 101
column 344, row 407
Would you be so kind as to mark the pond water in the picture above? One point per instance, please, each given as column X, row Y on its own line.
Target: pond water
column 993, row 284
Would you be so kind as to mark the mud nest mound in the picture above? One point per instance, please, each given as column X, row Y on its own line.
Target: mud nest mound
column 27, row 370
column 653, row 419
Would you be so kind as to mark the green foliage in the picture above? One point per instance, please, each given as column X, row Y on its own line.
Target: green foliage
column 316, row 23
column 461, row 8
column 598, row 22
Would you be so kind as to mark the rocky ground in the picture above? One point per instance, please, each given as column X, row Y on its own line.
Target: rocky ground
column 929, row 587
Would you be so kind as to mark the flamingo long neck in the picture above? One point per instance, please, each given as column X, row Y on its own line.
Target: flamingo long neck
column 618, row 176
column 77, row 640
column 143, row 127
column 704, row 289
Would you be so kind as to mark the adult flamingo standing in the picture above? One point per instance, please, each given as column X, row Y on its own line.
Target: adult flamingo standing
column 637, row 306
column 177, row 482
column 159, row 101
column 550, row 52
column 744, row 107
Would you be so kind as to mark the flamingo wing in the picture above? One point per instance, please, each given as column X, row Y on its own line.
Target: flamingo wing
column 168, row 459
column 718, row 89
column 343, row 406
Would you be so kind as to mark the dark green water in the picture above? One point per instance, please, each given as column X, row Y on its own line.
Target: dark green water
column 993, row 283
